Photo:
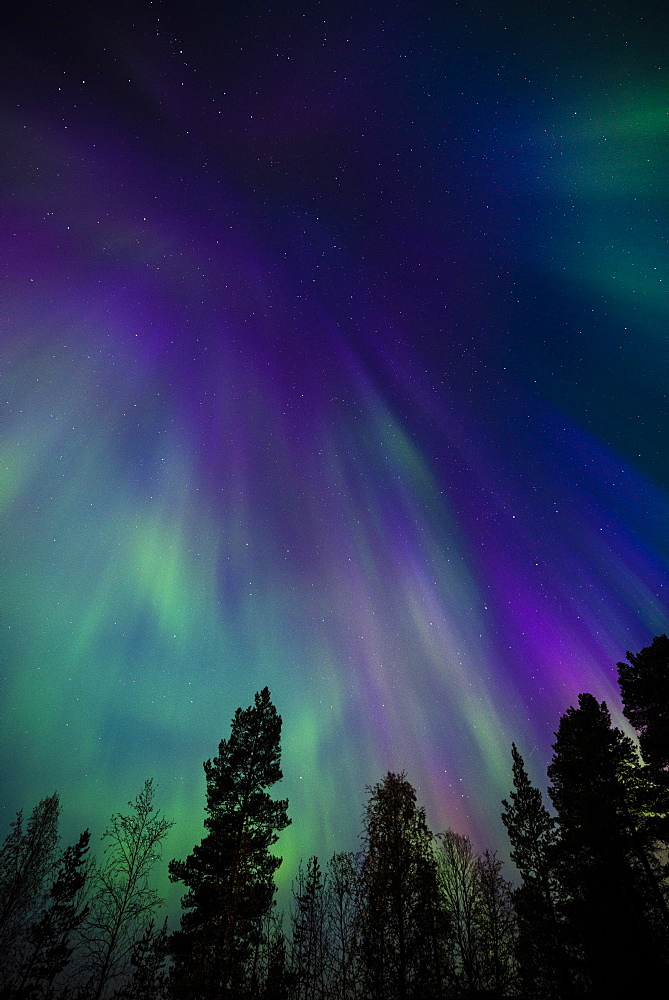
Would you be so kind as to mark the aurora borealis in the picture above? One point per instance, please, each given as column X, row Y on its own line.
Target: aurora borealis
column 333, row 358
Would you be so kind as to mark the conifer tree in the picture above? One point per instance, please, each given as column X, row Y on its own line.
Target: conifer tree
column 496, row 925
column 51, row 936
column 27, row 859
column 531, row 830
column 149, row 977
column 274, row 979
column 230, row 874
column 533, row 835
column 644, row 687
column 609, row 905
column 399, row 932
column 309, row 958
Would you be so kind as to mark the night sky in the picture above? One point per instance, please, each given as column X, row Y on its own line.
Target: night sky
column 334, row 357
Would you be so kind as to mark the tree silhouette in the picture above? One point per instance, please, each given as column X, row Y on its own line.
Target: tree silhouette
column 309, row 959
column 398, row 919
column 51, row 936
column 273, row 976
column 533, row 835
column 459, row 884
column 122, row 900
column 149, row 977
column 342, row 884
column 597, row 791
column 496, row 927
column 230, row 874
column 27, row 858
column 644, row 687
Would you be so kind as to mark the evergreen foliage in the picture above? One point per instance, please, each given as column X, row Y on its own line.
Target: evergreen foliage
column 149, row 977
column 531, row 830
column 309, row 958
column 230, row 875
column 644, row 687
column 603, row 853
column 533, row 836
column 400, row 942
column 411, row 917
column 27, row 858
column 50, row 937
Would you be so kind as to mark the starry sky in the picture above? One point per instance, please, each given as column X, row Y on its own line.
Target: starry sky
column 333, row 358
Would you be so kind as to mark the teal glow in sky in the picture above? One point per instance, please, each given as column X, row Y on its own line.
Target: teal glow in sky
column 334, row 359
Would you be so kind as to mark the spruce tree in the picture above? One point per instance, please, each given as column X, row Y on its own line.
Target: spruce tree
column 309, row 951
column 533, row 836
column 531, row 830
column 399, row 919
column 497, row 926
column 230, row 874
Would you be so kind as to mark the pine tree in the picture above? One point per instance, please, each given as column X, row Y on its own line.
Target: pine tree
column 230, row 874
column 398, row 920
column 644, row 686
column 597, row 791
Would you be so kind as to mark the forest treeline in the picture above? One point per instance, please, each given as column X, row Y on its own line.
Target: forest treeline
column 412, row 915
